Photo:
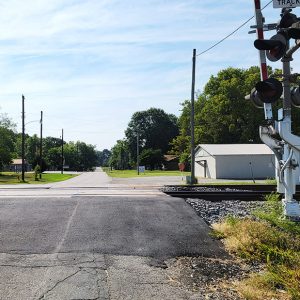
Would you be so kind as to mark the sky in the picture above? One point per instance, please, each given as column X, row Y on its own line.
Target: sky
column 90, row 64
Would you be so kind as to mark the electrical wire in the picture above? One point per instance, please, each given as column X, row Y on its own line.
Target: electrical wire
column 233, row 32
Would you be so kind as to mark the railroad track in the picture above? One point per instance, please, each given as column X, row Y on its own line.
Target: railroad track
column 223, row 192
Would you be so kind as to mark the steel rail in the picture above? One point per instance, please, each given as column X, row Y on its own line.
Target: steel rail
column 223, row 192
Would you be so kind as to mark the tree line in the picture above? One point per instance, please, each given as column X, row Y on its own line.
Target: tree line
column 222, row 116
column 78, row 155
column 149, row 132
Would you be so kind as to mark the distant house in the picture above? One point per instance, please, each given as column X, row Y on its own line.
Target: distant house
column 16, row 166
column 234, row 161
column 171, row 162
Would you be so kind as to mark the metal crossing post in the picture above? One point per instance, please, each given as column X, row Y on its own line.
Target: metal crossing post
column 262, row 54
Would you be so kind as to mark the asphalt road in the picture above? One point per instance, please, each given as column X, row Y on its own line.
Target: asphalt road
column 90, row 239
column 161, row 227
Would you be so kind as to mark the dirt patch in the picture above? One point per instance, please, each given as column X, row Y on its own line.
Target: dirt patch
column 213, row 278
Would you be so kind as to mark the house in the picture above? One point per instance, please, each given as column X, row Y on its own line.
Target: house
column 234, row 161
column 171, row 162
column 16, row 165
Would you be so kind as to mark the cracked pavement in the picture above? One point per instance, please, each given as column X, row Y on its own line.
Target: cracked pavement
column 86, row 276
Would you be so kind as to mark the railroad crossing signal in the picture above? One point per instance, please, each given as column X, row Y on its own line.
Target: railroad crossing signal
column 268, row 91
column 288, row 27
column 275, row 47
column 295, row 96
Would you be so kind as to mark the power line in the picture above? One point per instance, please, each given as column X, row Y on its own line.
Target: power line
column 233, row 32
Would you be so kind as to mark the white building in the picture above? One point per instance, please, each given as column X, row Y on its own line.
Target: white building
column 234, row 161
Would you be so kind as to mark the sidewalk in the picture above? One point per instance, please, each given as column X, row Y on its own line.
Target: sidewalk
column 84, row 179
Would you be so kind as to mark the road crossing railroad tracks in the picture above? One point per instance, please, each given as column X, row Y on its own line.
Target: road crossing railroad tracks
column 223, row 192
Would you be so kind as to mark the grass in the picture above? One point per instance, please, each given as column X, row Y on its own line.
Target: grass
column 15, row 178
column 271, row 240
column 133, row 173
column 266, row 182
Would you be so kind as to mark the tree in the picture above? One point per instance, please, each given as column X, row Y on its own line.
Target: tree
column 7, row 140
column 227, row 116
column 87, row 157
column 32, row 149
column 152, row 159
column 156, row 129
column 103, row 158
column 53, row 158
column 120, row 157
column 71, row 156
column 222, row 115
column 50, row 142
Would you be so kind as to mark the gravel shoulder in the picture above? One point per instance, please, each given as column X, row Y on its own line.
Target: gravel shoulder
column 215, row 279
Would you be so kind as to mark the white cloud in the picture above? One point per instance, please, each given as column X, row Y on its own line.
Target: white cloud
column 89, row 65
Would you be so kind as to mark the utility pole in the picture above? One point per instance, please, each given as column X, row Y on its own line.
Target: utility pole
column 41, row 144
column 137, row 153
column 193, row 120
column 23, row 138
column 62, row 151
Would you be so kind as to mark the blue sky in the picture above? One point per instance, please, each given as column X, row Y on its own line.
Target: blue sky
column 90, row 64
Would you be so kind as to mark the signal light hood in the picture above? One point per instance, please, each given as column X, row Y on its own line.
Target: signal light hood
column 269, row 90
column 275, row 47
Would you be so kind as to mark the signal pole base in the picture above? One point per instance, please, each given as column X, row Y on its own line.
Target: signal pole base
column 291, row 210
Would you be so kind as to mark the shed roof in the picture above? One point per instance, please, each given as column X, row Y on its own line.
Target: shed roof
column 235, row 149
column 18, row 161
column 169, row 157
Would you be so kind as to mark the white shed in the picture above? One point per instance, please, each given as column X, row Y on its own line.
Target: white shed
column 234, row 161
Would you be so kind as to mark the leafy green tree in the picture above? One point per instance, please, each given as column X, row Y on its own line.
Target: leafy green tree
column 151, row 158
column 6, row 146
column 87, row 157
column 227, row 116
column 32, row 149
column 103, row 158
column 156, row 129
column 7, row 140
column 71, row 156
column 222, row 115
column 53, row 158
column 120, row 157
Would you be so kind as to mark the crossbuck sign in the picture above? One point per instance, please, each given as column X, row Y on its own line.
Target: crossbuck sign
column 285, row 3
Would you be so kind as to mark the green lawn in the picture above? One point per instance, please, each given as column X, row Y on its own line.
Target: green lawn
column 15, row 178
column 133, row 173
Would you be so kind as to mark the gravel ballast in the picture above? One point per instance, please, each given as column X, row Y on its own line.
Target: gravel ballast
column 213, row 212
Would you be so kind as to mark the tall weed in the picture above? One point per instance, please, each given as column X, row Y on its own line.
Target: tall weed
column 271, row 239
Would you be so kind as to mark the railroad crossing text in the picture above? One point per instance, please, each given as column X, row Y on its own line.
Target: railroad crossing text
column 285, row 3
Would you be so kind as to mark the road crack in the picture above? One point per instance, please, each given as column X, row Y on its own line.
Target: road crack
column 58, row 283
column 107, row 276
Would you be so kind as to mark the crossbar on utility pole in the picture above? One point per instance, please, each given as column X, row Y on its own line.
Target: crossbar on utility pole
column 193, row 119
column 23, row 138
